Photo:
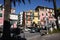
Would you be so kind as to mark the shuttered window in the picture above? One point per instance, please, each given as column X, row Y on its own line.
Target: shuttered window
column 0, row 14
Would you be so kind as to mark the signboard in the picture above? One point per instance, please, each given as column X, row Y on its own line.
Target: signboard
column 13, row 17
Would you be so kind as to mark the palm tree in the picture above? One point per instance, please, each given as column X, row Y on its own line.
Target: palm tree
column 7, row 11
column 7, row 6
column 54, row 4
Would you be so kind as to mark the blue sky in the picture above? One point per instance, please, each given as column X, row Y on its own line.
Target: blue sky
column 32, row 5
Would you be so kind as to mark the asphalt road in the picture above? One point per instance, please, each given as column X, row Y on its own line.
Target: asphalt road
column 55, row 36
column 37, row 36
column 29, row 35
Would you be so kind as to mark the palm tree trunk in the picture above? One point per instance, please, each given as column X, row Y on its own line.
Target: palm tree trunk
column 6, row 26
column 54, row 4
column 7, row 6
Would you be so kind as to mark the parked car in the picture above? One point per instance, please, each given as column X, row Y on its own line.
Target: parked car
column 27, row 29
column 34, row 29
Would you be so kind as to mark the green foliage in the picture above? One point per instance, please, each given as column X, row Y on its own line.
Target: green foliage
column 54, row 31
column 19, row 1
column 58, row 9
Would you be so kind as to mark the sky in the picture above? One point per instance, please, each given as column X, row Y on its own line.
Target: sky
column 34, row 3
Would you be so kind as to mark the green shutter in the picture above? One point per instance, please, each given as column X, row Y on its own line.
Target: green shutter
column 0, row 14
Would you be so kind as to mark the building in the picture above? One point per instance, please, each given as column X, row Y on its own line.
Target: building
column 2, row 15
column 36, row 17
column 28, row 18
column 20, row 18
column 40, row 16
column 46, row 14
column 13, row 20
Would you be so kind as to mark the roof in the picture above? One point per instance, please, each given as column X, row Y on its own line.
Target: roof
column 42, row 7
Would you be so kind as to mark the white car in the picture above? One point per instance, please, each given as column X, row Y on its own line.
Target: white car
column 27, row 29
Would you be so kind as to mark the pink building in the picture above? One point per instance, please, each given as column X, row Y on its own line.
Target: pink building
column 44, row 13
column 2, row 16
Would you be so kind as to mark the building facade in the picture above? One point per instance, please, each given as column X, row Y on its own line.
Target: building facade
column 40, row 16
column 2, row 15
column 20, row 18
column 28, row 18
column 46, row 15
column 36, row 18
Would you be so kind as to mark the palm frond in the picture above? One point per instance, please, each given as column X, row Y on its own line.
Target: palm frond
column 49, row 0
column 14, row 2
column 29, row 1
column 23, row 1
column 19, row 1
column 11, row 1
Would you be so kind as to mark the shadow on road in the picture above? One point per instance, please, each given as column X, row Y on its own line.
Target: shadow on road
column 13, row 38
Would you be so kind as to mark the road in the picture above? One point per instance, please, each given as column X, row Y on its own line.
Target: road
column 55, row 36
column 29, row 35
column 37, row 36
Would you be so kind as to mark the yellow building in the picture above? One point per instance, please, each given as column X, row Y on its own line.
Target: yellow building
column 36, row 17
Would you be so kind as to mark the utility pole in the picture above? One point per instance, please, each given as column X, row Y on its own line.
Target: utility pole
column 23, row 23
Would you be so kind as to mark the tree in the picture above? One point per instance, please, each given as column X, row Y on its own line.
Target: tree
column 58, row 12
column 7, row 11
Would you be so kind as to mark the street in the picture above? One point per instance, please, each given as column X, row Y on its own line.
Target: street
column 37, row 36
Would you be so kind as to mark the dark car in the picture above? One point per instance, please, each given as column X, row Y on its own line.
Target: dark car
column 34, row 29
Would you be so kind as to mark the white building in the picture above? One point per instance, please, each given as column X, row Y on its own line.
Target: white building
column 21, row 17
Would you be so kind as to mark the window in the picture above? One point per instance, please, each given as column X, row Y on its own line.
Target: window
column 44, row 18
column 0, row 8
column 0, row 14
column 42, row 9
column 27, row 22
column 12, row 22
column 47, row 9
column 46, row 14
column 42, row 14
